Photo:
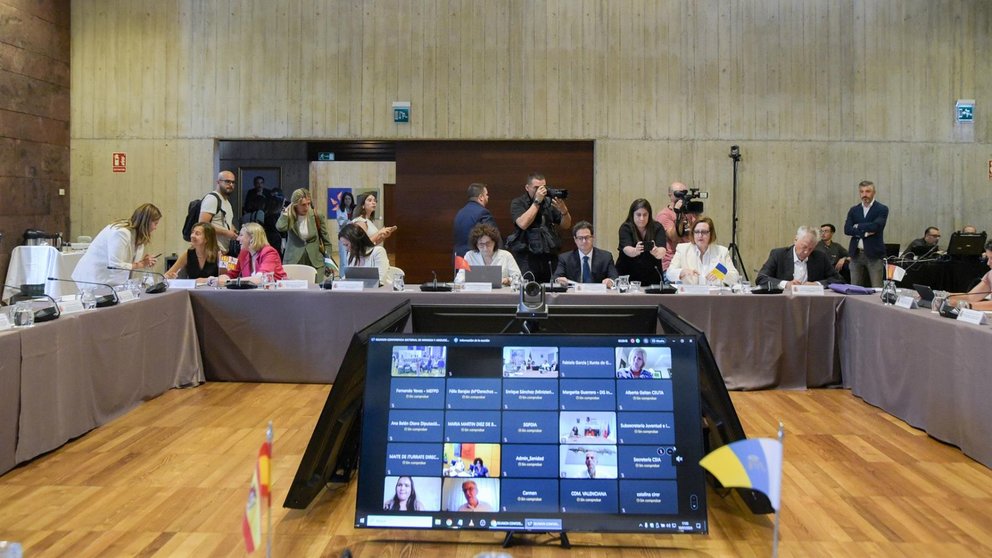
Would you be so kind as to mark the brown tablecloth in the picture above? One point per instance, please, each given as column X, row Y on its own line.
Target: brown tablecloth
column 85, row 369
column 932, row 372
column 760, row 341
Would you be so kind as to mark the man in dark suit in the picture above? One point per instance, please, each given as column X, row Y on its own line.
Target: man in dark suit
column 865, row 224
column 585, row 264
column 799, row 264
column 472, row 214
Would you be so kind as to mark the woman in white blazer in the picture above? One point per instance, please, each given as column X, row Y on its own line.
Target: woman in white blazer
column 695, row 263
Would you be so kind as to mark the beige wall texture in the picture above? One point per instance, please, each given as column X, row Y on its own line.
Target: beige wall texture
column 818, row 94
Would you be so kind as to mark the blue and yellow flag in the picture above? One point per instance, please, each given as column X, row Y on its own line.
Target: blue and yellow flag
column 720, row 271
column 754, row 464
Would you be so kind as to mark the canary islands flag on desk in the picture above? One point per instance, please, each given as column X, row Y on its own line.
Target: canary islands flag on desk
column 720, row 271
column 755, row 463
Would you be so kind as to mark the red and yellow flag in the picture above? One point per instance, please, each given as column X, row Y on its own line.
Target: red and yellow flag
column 261, row 488
column 460, row 263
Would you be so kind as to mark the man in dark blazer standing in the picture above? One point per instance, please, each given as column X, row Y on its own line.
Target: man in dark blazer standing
column 799, row 264
column 472, row 214
column 585, row 264
column 865, row 224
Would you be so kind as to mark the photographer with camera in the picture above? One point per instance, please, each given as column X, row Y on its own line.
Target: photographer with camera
column 677, row 219
column 535, row 242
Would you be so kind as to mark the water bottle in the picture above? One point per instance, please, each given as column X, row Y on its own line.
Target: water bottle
column 460, row 280
column 399, row 281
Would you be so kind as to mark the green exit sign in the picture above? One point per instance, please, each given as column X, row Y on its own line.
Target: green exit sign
column 325, row 156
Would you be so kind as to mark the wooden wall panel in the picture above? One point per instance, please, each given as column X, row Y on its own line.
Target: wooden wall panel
column 34, row 120
column 818, row 94
column 432, row 179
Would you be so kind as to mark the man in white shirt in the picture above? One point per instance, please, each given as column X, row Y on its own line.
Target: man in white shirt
column 799, row 264
column 215, row 208
column 472, row 502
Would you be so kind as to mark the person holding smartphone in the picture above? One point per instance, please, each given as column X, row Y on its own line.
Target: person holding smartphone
column 642, row 245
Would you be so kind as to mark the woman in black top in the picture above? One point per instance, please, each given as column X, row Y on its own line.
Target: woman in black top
column 642, row 245
column 200, row 260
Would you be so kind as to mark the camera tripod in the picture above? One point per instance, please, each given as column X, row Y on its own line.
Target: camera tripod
column 735, row 251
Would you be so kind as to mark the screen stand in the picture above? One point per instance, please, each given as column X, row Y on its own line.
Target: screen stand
column 562, row 538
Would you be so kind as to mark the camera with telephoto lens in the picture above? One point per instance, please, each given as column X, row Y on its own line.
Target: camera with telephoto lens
column 687, row 197
column 556, row 193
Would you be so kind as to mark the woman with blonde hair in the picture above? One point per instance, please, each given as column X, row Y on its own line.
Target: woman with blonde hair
column 257, row 257
column 306, row 232
column 120, row 244
column 199, row 261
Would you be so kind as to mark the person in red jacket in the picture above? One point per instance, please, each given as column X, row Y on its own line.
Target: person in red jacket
column 257, row 257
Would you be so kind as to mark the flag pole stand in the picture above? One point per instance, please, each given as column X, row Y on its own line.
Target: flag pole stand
column 778, row 509
column 268, row 537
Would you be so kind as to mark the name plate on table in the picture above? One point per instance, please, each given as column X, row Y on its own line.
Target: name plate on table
column 590, row 288
column 699, row 289
column 182, row 283
column 807, row 290
column 4, row 322
column 967, row 315
column 345, row 285
column 907, row 302
column 292, row 284
column 71, row 306
column 126, row 296
column 477, row 287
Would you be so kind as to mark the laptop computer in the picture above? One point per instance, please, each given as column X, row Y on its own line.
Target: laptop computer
column 966, row 244
column 367, row 275
column 926, row 295
column 492, row 274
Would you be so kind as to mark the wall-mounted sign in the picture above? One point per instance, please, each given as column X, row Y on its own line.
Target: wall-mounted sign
column 325, row 156
column 965, row 110
column 120, row 161
column 401, row 112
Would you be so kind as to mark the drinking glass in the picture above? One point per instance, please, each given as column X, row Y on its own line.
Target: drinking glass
column 745, row 287
column 514, row 282
column 88, row 299
column 399, row 282
column 623, row 283
column 23, row 314
column 635, row 286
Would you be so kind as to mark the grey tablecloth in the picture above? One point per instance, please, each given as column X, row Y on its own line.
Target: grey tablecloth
column 82, row 370
column 10, row 395
column 760, row 341
column 931, row 372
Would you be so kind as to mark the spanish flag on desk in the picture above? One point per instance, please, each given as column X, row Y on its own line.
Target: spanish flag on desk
column 261, row 488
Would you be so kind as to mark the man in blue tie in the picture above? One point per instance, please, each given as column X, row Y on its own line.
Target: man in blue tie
column 585, row 264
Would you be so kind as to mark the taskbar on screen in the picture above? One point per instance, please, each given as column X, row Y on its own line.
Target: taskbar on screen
column 537, row 524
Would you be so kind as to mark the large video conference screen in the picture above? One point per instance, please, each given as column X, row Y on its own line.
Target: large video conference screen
column 532, row 433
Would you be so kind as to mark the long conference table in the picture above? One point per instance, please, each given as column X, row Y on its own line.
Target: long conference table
column 60, row 379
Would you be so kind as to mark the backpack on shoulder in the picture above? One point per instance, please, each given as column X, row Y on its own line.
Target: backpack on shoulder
column 193, row 214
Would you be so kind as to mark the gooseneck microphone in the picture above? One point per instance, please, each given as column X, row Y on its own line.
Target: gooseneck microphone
column 45, row 314
column 102, row 301
column 159, row 287
column 433, row 286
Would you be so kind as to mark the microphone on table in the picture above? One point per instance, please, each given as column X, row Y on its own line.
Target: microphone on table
column 662, row 288
column 159, row 287
column 45, row 314
column 102, row 301
column 433, row 287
